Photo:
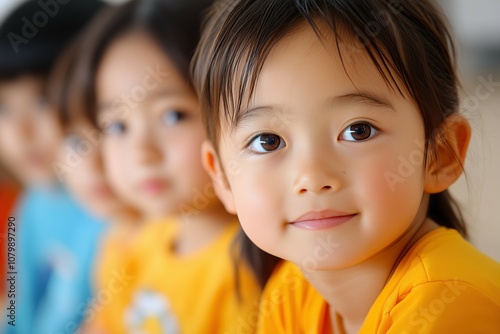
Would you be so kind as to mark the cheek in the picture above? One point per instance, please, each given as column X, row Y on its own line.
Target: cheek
column 48, row 134
column 185, row 159
column 394, row 181
column 259, row 203
column 11, row 140
column 115, row 166
column 7, row 144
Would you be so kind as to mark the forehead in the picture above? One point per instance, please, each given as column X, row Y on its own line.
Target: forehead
column 26, row 84
column 134, row 62
column 305, row 70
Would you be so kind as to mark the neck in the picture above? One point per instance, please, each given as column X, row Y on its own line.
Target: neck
column 128, row 216
column 198, row 228
column 350, row 292
column 127, row 222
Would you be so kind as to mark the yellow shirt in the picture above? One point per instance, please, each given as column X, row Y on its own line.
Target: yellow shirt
column 115, row 273
column 442, row 285
column 194, row 293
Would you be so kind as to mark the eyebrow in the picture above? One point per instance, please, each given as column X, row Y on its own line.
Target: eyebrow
column 253, row 112
column 360, row 97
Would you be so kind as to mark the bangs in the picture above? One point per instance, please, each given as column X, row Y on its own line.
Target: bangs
column 400, row 39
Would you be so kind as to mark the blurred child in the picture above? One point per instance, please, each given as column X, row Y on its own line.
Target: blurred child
column 342, row 117
column 55, row 239
column 88, row 185
column 131, row 76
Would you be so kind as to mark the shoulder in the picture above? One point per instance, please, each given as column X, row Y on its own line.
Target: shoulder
column 444, row 256
column 443, row 307
column 442, row 283
column 289, row 302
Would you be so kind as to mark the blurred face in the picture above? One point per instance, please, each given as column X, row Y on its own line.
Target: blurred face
column 84, row 176
column 29, row 132
column 318, row 167
column 153, row 129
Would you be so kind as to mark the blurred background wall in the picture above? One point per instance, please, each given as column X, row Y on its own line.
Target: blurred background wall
column 477, row 33
column 476, row 29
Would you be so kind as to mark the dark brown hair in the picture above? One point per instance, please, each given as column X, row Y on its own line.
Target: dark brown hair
column 407, row 40
column 174, row 25
column 34, row 51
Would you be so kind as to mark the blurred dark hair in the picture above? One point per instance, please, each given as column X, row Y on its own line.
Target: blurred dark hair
column 34, row 34
column 173, row 24
column 406, row 40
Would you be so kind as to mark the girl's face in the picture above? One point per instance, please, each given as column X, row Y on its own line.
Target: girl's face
column 29, row 132
column 85, row 177
column 153, row 129
column 323, row 169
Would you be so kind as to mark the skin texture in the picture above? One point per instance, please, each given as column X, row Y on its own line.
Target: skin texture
column 29, row 133
column 307, row 104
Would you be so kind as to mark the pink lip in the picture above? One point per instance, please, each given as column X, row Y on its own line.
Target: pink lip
column 322, row 220
column 153, row 187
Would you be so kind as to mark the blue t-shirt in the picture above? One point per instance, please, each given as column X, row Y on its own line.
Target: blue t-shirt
column 56, row 244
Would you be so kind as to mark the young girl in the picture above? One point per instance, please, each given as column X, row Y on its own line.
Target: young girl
column 54, row 238
column 341, row 118
column 130, row 77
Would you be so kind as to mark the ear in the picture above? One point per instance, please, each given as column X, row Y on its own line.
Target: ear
column 447, row 158
column 212, row 165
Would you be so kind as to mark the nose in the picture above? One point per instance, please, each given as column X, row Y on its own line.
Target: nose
column 147, row 148
column 316, row 172
column 313, row 181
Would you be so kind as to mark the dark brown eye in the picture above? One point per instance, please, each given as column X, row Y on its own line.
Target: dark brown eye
column 266, row 142
column 358, row 132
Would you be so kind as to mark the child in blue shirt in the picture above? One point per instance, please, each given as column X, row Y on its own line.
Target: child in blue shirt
column 55, row 238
